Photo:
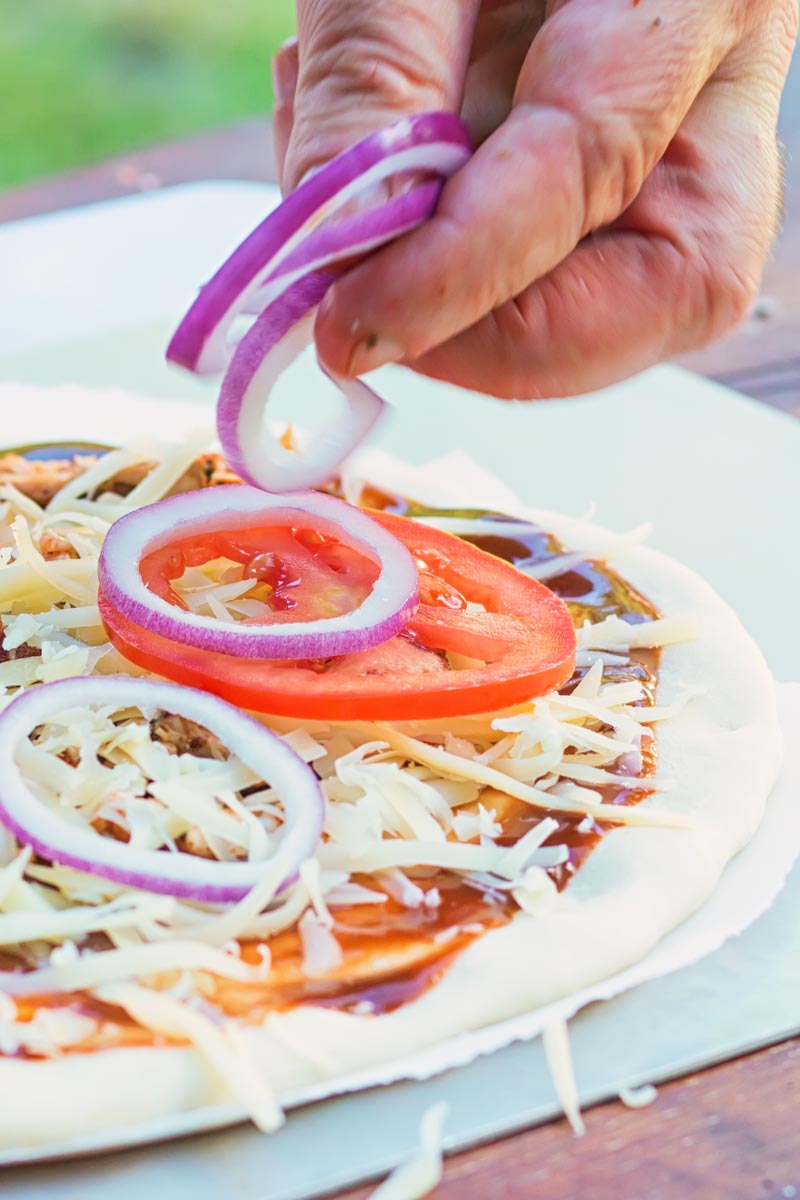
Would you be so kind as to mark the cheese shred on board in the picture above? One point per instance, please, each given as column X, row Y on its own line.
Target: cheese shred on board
column 412, row 810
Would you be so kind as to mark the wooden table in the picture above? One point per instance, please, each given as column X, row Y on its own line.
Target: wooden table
column 731, row 1132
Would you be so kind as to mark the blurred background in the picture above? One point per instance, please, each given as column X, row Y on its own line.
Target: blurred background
column 84, row 79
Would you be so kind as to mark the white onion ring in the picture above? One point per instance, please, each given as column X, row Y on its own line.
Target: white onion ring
column 384, row 612
column 188, row 876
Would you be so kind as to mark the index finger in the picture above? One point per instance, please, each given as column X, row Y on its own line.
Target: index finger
column 364, row 63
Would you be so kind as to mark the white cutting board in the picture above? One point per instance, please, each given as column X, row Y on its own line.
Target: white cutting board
column 90, row 297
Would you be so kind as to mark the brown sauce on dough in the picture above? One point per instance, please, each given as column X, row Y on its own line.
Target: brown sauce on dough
column 392, row 954
column 593, row 591
column 415, row 946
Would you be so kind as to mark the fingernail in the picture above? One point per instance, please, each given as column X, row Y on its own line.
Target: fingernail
column 284, row 73
column 375, row 351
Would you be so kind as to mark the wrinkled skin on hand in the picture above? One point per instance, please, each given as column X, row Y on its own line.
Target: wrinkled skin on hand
column 621, row 201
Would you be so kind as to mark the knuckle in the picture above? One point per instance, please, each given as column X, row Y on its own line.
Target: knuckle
column 736, row 290
column 613, row 166
column 758, row 12
column 356, row 66
column 726, row 286
column 523, row 332
column 788, row 20
column 731, row 248
column 766, row 51
column 394, row 72
column 619, row 114
column 351, row 85
column 596, row 161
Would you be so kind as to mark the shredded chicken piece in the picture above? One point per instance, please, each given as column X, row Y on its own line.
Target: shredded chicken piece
column 209, row 470
column 53, row 545
column 181, row 736
column 40, row 481
column 23, row 651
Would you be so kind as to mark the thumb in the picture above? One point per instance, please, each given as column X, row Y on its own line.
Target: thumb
column 365, row 63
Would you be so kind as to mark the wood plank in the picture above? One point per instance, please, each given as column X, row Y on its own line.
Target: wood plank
column 239, row 151
column 726, row 1133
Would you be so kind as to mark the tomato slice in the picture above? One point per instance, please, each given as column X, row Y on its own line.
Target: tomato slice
column 303, row 575
column 517, row 633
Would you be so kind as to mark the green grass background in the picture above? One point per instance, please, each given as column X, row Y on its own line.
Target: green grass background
column 84, row 79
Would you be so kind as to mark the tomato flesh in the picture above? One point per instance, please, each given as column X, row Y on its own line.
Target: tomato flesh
column 473, row 605
column 303, row 575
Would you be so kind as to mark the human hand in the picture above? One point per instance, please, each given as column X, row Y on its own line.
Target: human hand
column 617, row 211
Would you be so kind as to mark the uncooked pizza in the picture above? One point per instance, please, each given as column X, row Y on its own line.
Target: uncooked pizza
column 271, row 871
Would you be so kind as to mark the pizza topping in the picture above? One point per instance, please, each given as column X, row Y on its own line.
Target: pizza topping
column 223, row 1046
column 123, row 480
column 49, row 821
column 331, row 580
column 615, row 634
column 435, row 829
column 517, row 534
column 434, row 142
column 322, row 953
column 378, row 802
column 52, row 925
column 38, row 476
column 280, row 334
column 555, row 1040
column 638, row 1097
column 283, row 268
column 49, row 1032
column 580, row 800
column 422, row 1173
column 483, row 637
column 82, row 971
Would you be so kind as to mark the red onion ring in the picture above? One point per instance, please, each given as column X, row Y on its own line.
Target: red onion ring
column 284, row 264
column 279, row 335
column 58, row 839
column 436, row 142
column 387, row 609
column 349, row 237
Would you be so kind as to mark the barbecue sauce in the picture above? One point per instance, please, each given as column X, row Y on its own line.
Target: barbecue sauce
column 392, row 954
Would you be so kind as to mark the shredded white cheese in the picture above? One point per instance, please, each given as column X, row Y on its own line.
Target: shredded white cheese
column 615, row 634
column 322, row 953
column 638, row 1097
column 402, row 802
column 92, row 969
column 49, row 1031
column 223, row 1046
column 490, row 777
column 419, row 1176
column 555, row 1040
column 127, row 911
